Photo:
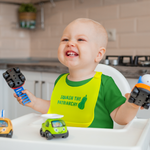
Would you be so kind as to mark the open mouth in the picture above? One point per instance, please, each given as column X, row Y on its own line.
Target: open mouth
column 71, row 53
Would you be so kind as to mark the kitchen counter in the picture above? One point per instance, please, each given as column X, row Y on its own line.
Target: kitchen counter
column 133, row 72
column 54, row 66
column 38, row 65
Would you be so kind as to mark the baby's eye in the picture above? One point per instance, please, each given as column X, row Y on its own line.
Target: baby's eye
column 81, row 39
column 65, row 40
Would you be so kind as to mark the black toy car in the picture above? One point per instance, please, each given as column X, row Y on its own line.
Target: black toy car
column 140, row 94
column 15, row 79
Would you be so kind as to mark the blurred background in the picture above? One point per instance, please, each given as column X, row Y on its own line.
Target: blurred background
column 127, row 20
column 32, row 44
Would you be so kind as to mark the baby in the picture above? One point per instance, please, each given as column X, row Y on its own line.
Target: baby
column 86, row 98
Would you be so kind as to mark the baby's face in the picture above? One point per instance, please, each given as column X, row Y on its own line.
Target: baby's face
column 79, row 45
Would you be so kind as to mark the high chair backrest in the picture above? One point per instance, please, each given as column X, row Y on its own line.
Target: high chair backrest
column 119, row 79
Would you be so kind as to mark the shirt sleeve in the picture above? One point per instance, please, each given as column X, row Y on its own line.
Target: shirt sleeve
column 58, row 79
column 112, row 96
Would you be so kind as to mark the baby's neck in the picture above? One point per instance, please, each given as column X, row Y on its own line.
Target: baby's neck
column 80, row 75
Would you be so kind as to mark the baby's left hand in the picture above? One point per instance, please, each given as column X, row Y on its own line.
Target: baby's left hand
column 127, row 95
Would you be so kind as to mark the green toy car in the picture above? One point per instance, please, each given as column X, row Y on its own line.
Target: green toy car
column 54, row 128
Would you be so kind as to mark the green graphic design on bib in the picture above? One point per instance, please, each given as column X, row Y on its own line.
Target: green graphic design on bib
column 77, row 104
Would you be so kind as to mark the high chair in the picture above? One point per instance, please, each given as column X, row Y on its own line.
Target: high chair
column 119, row 79
column 134, row 136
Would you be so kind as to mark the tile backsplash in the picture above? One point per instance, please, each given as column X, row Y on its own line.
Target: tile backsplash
column 130, row 18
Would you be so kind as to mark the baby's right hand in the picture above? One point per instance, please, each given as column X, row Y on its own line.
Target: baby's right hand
column 31, row 97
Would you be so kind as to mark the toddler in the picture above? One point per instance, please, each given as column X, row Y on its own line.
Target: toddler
column 86, row 98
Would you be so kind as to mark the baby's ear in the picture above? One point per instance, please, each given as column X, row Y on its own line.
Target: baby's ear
column 100, row 54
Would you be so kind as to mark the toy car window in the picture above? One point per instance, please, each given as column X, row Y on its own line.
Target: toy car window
column 47, row 124
column 63, row 123
column 3, row 123
column 57, row 124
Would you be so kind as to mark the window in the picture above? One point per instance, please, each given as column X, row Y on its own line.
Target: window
column 58, row 123
column 47, row 124
column 3, row 123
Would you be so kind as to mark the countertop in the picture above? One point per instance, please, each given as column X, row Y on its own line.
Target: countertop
column 54, row 66
column 38, row 65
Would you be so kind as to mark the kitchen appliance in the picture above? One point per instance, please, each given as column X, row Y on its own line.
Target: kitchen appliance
column 120, row 60
column 127, row 60
column 141, row 60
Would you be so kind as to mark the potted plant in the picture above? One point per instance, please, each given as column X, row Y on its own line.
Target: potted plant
column 27, row 15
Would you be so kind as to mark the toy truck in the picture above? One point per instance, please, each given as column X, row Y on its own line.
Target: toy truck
column 15, row 79
column 140, row 94
column 53, row 128
column 6, row 128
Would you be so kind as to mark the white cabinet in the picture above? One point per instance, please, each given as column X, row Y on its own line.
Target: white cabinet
column 1, row 90
column 132, row 82
column 31, row 84
column 6, row 97
column 47, row 84
column 39, row 83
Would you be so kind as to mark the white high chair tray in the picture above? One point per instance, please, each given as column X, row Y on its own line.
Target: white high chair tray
column 134, row 136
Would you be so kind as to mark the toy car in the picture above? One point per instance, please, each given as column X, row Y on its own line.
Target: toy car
column 54, row 128
column 140, row 94
column 15, row 79
column 6, row 128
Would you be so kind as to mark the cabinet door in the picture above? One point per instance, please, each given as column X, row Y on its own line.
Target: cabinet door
column 132, row 82
column 2, row 82
column 8, row 102
column 32, row 83
column 47, row 84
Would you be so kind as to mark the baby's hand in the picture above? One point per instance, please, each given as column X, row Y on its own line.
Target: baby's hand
column 31, row 97
column 127, row 95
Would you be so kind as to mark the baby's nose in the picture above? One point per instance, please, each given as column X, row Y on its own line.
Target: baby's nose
column 71, row 43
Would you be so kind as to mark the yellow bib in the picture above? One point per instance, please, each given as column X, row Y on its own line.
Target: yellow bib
column 77, row 103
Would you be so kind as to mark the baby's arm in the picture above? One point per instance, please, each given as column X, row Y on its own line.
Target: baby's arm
column 125, row 113
column 37, row 104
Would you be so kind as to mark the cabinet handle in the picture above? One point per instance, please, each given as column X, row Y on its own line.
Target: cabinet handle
column 42, row 83
column 144, row 71
column 35, row 87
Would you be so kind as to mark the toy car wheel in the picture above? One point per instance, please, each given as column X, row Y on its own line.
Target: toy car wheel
column 66, row 135
column 135, row 92
column 17, row 70
column 10, row 134
column 148, row 99
column 11, row 83
column 48, row 135
column 42, row 133
column 146, row 106
column 131, row 99
column 5, row 75
column 22, row 77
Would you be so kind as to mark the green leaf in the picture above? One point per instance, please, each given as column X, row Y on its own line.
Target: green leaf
column 27, row 7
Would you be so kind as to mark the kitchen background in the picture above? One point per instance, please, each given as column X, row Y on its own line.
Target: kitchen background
column 128, row 19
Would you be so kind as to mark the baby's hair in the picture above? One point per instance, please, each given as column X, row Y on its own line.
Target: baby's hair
column 99, row 28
